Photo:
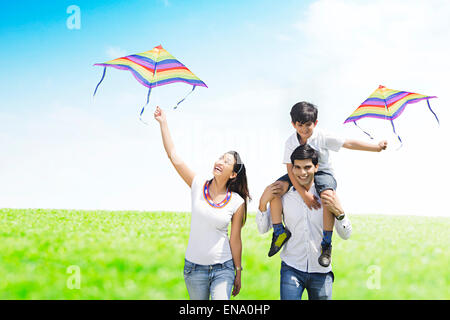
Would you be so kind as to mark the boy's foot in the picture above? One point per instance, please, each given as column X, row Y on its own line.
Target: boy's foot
column 278, row 241
column 325, row 256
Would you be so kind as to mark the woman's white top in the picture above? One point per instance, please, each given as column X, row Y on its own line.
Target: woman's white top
column 208, row 238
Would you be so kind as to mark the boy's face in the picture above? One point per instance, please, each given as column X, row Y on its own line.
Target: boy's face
column 305, row 130
column 304, row 171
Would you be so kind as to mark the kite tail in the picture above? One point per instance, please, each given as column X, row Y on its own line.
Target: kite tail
column 399, row 139
column 193, row 87
column 103, row 77
column 363, row 130
column 428, row 102
column 143, row 108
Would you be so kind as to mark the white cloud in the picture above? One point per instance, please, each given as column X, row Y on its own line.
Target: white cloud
column 166, row 3
column 115, row 52
column 283, row 37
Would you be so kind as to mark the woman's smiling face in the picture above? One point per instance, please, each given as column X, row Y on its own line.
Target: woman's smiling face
column 224, row 166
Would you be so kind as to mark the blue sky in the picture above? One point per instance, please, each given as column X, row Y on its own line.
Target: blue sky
column 38, row 45
column 62, row 149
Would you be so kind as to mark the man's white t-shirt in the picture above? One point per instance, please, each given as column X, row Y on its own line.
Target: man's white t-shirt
column 321, row 141
column 208, row 238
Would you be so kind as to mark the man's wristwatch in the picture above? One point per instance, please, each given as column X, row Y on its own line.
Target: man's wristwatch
column 239, row 268
column 340, row 217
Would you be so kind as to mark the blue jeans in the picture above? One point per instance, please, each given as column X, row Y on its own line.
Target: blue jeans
column 215, row 280
column 293, row 282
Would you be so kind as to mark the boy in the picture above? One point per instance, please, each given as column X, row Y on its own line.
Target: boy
column 304, row 121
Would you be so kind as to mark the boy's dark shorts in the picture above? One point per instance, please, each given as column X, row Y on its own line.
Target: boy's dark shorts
column 322, row 180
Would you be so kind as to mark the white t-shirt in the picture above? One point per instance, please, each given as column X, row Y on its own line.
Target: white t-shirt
column 208, row 238
column 320, row 141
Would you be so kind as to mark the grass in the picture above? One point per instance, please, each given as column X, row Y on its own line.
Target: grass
column 140, row 255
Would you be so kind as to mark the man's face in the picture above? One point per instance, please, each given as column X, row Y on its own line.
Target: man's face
column 304, row 171
column 305, row 130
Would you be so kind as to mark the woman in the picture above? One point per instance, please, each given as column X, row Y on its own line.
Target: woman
column 212, row 261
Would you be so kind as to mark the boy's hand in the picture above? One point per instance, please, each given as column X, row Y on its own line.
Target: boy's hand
column 311, row 201
column 382, row 145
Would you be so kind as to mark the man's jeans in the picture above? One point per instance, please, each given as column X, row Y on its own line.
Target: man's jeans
column 292, row 283
column 216, row 280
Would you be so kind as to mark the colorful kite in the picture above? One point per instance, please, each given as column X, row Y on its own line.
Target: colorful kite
column 387, row 104
column 154, row 68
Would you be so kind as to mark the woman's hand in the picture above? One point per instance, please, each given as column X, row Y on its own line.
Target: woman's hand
column 183, row 170
column 160, row 115
column 237, row 284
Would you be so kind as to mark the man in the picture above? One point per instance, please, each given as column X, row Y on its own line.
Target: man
column 300, row 269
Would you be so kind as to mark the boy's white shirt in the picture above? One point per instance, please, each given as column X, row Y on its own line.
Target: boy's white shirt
column 303, row 249
column 322, row 142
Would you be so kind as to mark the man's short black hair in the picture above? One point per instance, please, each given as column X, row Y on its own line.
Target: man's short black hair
column 305, row 152
column 304, row 112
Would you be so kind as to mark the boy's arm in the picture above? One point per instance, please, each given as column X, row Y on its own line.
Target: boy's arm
column 309, row 199
column 364, row 146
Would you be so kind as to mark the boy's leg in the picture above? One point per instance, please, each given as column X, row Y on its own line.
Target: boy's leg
column 280, row 234
column 276, row 209
column 326, row 185
column 328, row 225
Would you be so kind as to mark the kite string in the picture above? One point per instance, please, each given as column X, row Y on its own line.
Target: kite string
column 149, row 91
column 392, row 123
column 103, row 77
column 143, row 108
column 193, row 87
column 399, row 139
column 363, row 130
column 429, row 107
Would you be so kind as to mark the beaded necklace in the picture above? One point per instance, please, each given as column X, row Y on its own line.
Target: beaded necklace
column 208, row 199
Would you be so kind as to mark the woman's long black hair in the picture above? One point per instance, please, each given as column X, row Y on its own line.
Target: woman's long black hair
column 239, row 183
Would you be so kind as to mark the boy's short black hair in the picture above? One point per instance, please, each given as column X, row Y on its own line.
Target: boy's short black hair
column 304, row 112
column 305, row 152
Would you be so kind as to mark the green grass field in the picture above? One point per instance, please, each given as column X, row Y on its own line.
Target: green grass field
column 140, row 255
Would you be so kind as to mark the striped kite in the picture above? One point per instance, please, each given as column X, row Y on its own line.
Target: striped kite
column 387, row 104
column 154, row 68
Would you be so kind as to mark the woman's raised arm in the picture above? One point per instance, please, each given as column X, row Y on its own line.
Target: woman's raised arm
column 179, row 165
